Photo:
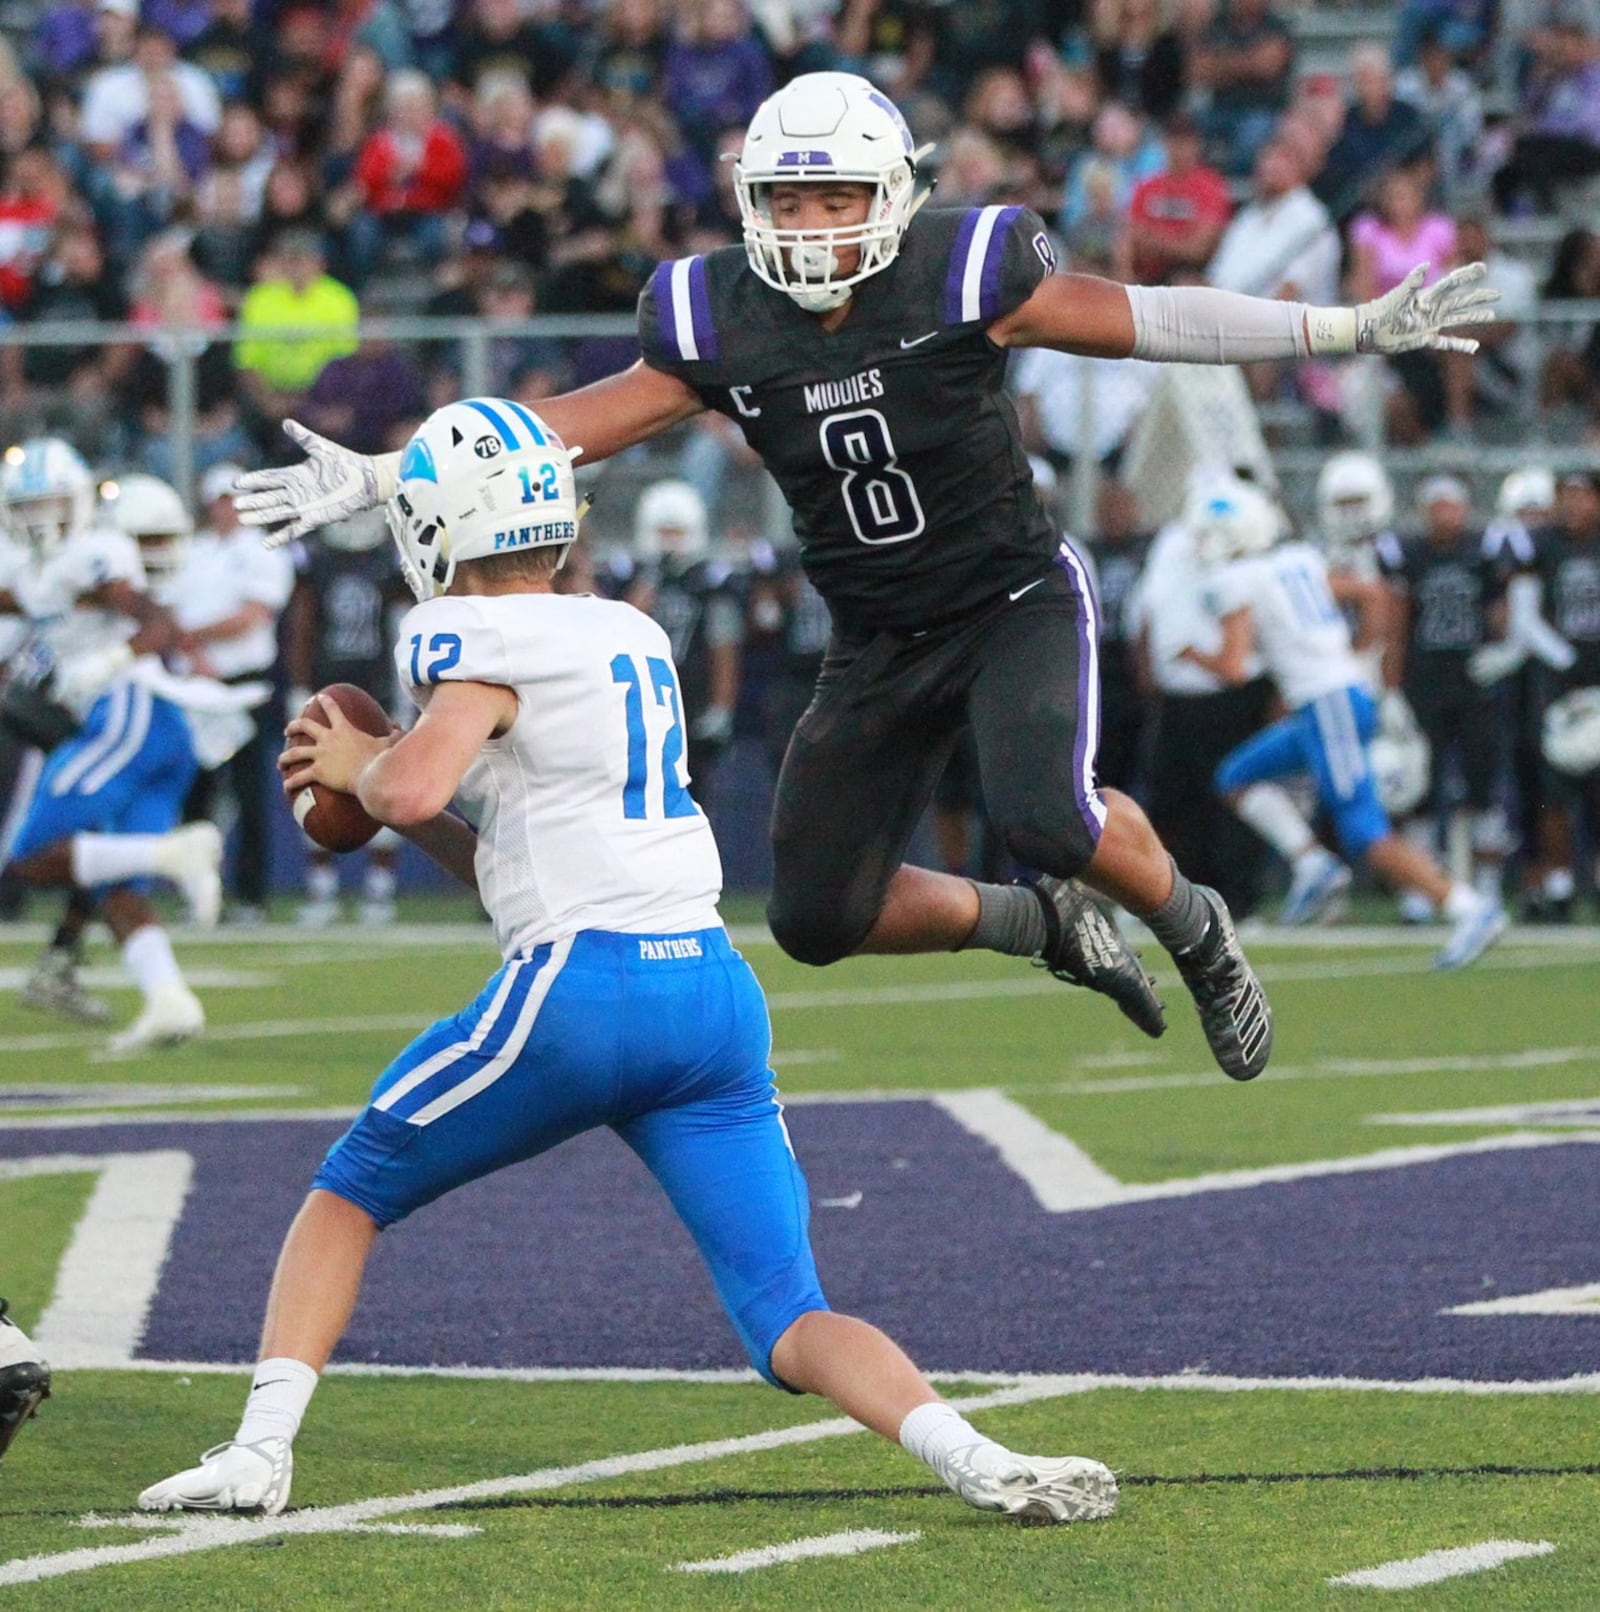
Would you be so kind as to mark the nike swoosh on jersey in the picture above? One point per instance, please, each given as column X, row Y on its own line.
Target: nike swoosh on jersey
column 1013, row 597
column 917, row 341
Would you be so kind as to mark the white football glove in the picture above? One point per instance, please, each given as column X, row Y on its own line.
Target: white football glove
column 328, row 485
column 1412, row 316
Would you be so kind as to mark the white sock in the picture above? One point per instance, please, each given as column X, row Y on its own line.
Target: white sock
column 279, row 1393
column 1268, row 809
column 1462, row 901
column 115, row 858
column 148, row 954
column 938, row 1433
column 379, row 884
column 322, row 881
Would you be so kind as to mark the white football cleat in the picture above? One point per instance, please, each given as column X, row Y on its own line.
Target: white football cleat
column 230, row 1477
column 172, row 1013
column 1032, row 1488
column 1319, row 892
column 192, row 858
column 1473, row 934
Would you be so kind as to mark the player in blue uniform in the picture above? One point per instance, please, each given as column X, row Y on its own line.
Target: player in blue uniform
column 860, row 343
column 555, row 723
column 1274, row 600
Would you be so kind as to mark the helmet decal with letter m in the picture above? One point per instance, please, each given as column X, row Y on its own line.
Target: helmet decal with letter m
column 825, row 128
column 47, row 494
column 481, row 477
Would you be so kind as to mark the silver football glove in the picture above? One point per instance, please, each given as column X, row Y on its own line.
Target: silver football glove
column 329, row 484
column 1412, row 315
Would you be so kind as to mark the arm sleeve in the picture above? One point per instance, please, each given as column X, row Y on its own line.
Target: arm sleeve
column 449, row 641
column 1198, row 325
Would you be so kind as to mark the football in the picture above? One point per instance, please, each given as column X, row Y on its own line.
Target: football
column 335, row 820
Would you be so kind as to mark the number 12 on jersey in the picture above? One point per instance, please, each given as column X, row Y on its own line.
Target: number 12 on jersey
column 675, row 799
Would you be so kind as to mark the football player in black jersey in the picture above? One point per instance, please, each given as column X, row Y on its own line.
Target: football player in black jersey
column 860, row 345
column 1450, row 603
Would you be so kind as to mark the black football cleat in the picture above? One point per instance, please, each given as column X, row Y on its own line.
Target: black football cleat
column 24, row 1379
column 1234, row 1011
column 1083, row 947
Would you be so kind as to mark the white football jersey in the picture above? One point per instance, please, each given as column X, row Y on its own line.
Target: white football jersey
column 583, row 816
column 219, row 576
column 1301, row 633
column 48, row 588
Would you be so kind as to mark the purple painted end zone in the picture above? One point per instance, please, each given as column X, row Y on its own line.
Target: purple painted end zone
column 574, row 1260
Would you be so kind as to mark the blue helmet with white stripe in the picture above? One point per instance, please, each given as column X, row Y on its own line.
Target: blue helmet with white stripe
column 478, row 478
column 832, row 128
column 47, row 493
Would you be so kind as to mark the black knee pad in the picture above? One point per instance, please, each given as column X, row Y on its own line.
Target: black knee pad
column 810, row 932
column 1058, row 843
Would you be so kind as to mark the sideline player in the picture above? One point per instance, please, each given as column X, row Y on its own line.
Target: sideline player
column 1273, row 599
column 556, row 722
column 860, row 345
column 104, row 813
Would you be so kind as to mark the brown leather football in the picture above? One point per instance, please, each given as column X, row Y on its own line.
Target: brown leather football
column 335, row 820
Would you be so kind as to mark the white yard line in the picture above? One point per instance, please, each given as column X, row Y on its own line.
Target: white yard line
column 200, row 1533
column 107, row 1278
column 1584, row 1300
column 66, row 1096
column 851, row 1543
column 1437, row 1565
column 1061, row 1175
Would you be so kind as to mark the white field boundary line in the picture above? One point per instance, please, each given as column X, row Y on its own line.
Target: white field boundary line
column 1325, row 1069
column 851, row 1543
column 191, row 1534
column 1413, row 1572
column 112, row 977
column 420, row 934
column 1063, row 1385
column 68, row 1096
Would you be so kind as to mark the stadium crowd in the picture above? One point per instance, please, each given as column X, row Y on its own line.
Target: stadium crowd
column 196, row 163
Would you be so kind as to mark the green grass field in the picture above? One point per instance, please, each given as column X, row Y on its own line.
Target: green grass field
column 1232, row 1499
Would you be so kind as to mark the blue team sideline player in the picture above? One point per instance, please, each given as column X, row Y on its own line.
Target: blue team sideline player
column 1274, row 600
column 555, row 723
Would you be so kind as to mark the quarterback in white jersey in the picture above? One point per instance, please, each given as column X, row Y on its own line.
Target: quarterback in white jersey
column 1274, row 599
column 554, row 724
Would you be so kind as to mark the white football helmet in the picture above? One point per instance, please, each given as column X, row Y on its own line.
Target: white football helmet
column 1355, row 500
column 1571, row 738
column 478, row 478
column 1530, row 491
column 825, row 127
column 1231, row 520
column 150, row 511
column 671, row 518
column 46, row 492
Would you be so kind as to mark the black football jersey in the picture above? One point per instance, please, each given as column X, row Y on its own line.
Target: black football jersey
column 1451, row 590
column 700, row 606
column 1569, row 574
column 892, row 437
column 354, row 589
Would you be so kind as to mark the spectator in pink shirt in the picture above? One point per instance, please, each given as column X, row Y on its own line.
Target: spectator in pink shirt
column 1385, row 245
column 410, row 175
